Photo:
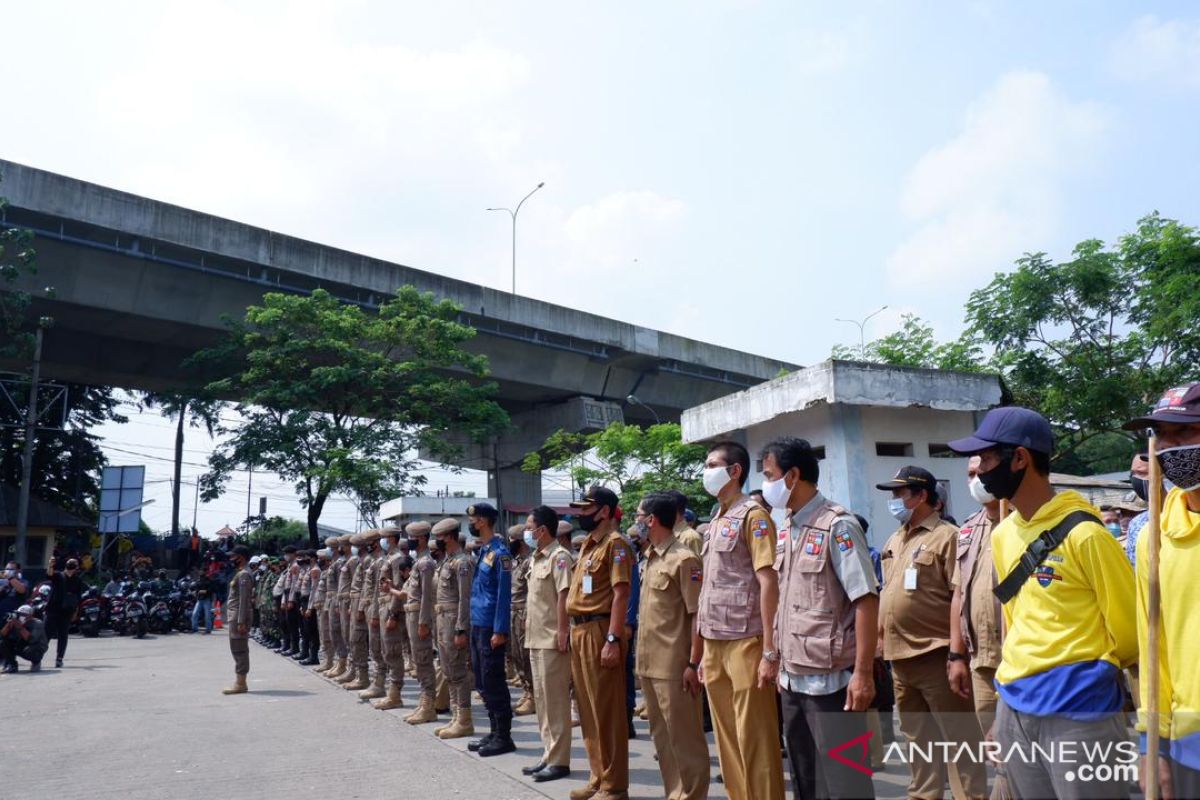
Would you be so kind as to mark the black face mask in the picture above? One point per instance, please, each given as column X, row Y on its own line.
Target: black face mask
column 1002, row 481
column 440, row 545
column 412, row 545
column 1141, row 487
column 473, row 530
column 588, row 523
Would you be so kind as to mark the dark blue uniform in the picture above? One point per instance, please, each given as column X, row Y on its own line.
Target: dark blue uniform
column 491, row 610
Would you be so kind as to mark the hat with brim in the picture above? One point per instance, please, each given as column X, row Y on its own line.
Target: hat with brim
column 1180, row 405
column 597, row 495
column 911, row 478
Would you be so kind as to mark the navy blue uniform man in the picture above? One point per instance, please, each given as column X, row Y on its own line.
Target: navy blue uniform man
column 490, row 619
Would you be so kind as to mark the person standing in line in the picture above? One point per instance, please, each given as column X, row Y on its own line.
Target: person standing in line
column 453, row 610
column 667, row 656
column 548, row 636
column 418, row 598
column 491, row 616
column 320, row 609
column 518, row 652
column 359, row 600
column 333, row 609
column 597, row 603
column 349, row 585
column 309, row 620
column 684, row 532
column 392, row 618
column 239, row 615
column 66, row 590
column 370, row 601
column 735, row 630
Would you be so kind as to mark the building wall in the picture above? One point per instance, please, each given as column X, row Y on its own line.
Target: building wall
column 39, row 546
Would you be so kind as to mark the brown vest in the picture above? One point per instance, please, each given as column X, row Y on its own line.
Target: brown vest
column 815, row 622
column 970, row 547
column 729, row 595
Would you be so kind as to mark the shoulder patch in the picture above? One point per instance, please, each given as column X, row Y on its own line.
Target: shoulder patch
column 760, row 528
column 464, row 568
column 506, row 563
column 619, row 555
column 490, row 558
column 697, row 574
column 844, row 541
column 561, row 562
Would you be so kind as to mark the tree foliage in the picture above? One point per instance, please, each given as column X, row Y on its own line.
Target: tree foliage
column 17, row 259
column 915, row 346
column 633, row 461
column 338, row 400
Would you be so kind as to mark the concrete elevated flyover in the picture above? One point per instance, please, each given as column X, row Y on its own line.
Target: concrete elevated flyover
column 141, row 284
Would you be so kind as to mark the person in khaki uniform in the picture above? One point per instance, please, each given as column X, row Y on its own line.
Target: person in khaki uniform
column 547, row 635
column 667, row 656
column 597, row 602
column 914, row 626
column 356, row 639
column 341, row 550
column 685, row 533
column 239, row 613
column 360, row 599
column 370, row 601
column 975, row 612
column 453, row 609
column 321, row 603
column 394, row 573
column 418, row 598
column 346, row 576
column 735, row 626
column 518, row 651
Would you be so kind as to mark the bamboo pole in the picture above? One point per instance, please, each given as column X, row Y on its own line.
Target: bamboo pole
column 1149, row 669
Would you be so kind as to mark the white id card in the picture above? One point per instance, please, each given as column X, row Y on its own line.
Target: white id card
column 587, row 584
column 910, row 579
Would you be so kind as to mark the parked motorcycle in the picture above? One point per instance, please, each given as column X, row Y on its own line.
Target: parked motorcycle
column 93, row 613
column 137, row 620
column 159, row 615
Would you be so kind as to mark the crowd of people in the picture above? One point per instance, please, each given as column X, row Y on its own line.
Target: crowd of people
column 1015, row 632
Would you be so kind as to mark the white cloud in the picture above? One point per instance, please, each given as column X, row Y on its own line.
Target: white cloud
column 820, row 52
column 995, row 189
column 1159, row 51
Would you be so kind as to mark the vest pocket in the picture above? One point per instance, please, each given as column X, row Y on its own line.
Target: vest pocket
column 810, row 639
column 733, row 613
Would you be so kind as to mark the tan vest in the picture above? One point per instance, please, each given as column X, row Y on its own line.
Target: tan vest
column 729, row 596
column 815, row 622
column 970, row 547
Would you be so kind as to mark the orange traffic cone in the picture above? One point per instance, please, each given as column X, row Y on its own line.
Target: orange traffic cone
column 217, row 615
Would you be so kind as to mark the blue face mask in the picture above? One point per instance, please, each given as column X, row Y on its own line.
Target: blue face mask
column 530, row 541
column 898, row 510
column 1115, row 529
column 385, row 544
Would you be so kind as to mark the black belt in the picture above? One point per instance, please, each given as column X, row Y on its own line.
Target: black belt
column 584, row 619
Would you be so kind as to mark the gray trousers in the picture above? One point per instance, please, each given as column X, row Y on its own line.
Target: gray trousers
column 240, row 647
column 1084, row 775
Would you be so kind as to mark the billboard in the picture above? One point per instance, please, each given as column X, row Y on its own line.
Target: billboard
column 121, row 499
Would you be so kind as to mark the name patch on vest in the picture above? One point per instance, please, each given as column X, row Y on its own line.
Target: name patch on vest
column 813, row 542
column 731, row 527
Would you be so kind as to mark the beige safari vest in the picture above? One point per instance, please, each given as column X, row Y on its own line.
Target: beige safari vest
column 815, row 622
column 729, row 596
column 971, row 547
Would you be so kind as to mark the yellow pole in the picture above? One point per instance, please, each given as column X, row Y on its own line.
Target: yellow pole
column 1149, row 670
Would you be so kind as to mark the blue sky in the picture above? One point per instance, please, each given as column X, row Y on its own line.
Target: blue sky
column 738, row 172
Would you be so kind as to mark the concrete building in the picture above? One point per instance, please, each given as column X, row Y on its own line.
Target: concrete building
column 402, row 510
column 865, row 421
column 46, row 523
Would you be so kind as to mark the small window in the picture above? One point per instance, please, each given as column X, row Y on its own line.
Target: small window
column 895, row 449
column 941, row 451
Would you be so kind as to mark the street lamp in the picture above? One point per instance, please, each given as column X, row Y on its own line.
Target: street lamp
column 634, row 401
column 513, row 214
column 862, row 339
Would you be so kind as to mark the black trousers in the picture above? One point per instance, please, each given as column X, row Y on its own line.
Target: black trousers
column 312, row 640
column 488, row 665
column 812, row 726
column 58, row 626
column 13, row 646
column 294, row 623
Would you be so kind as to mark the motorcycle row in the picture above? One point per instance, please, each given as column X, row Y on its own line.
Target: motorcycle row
column 135, row 608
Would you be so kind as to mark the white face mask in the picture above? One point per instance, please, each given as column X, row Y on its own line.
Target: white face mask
column 385, row 544
column 353, row 550
column 981, row 495
column 715, row 479
column 530, row 540
column 898, row 510
column 776, row 493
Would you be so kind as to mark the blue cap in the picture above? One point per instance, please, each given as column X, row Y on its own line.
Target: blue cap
column 1011, row 425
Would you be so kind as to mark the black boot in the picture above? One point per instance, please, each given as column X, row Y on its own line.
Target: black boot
column 501, row 742
column 475, row 744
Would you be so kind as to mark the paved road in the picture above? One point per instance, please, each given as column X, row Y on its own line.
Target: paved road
column 145, row 720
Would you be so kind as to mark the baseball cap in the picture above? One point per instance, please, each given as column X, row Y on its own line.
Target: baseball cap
column 1011, row 425
column 598, row 495
column 485, row 510
column 1180, row 405
column 911, row 478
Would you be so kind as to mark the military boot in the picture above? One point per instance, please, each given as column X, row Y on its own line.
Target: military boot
column 347, row 675
column 393, row 699
column 525, row 705
column 461, row 725
column 337, row 668
column 376, row 688
column 239, row 686
column 424, row 711
column 362, row 681
column 325, row 665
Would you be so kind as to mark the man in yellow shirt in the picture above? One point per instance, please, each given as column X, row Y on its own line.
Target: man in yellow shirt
column 1067, row 591
column 1176, row 423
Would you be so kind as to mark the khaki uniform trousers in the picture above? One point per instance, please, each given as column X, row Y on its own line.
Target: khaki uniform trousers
column 239, row 646
column 337, row 631
column 422, row 657
column 325, row 632
column 517, row 650
column 600, row 694
column 552, row 698
column 677, row 728
column 392, row 645
column 930, row 712
column 454, row 661
column 358, row 640
column 406, row 640
column 375, row 645
column 347, row 618
column 745, row 719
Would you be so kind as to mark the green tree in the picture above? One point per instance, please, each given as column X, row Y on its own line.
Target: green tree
column 17, row 259
column 187, row 410
column 914, row 346
column 338, row 400
column 271, row 534
column 634, row 461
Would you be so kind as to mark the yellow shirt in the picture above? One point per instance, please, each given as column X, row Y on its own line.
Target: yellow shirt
column 670, row 596
column 549, row 573
column 1071, row 628
column 1179, row 642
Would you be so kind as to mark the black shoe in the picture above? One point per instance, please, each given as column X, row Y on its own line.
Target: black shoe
column 475, row 744
column 300, row 656
column 538, row 767
column 9, row 668
column 632, row 732
column 58, row 663
column 551, row 773
column 35, row 666
column 498, row 746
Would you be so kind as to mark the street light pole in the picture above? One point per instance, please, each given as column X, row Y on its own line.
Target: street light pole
column 634, row 401
column 862, row 326
column 513, row 213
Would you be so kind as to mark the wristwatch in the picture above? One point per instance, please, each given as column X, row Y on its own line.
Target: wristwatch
column 611, row 638
column 771, row 656
column 953, row 656
column 460, row 633
column 692, row 665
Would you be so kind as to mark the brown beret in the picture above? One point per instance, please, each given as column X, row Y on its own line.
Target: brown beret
column 515, row 530
column 420, row 528
column 564, row 527
column 447, row 525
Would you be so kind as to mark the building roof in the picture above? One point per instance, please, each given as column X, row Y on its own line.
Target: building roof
column 226, row 532
column 41, row 513
column 849, row 382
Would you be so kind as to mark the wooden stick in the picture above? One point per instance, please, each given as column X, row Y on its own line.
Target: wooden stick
column 1003, row 509
column 1149, row 670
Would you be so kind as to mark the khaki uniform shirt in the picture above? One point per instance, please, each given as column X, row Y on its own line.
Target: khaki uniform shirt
column 688, row 537
column 419, row 589
column 603, row 565
column 454, row 578
column 980, row 608
column 918, row 621
column 549, row 573
column 520, row 580
column 669, row 598
column 239, row 608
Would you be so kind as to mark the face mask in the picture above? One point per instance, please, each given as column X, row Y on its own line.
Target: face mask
column 776, row 493
column 715, row 479
column 474, row 531
column 439, row 545
column 385, row 544
column 1115, row 529
column 1141, row 487
column 353, row 550
column 530, row 541
column 412, row 545
column 1001, row 481
column 898, row 510
column 981, row 495
column 641, row 531
column 588, row 523
column 1181, row 466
